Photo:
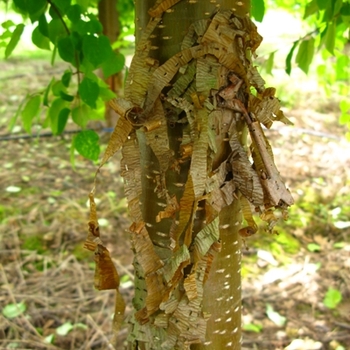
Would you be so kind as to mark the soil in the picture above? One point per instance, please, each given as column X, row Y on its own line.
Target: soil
column 43, row 227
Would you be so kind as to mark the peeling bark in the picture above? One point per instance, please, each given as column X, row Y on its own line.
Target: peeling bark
column 183, row 127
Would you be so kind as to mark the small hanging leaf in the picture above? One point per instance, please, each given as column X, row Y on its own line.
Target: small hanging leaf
column 269, row 63
column 89, row 91
column 305, row 54
column 14, row 310
column 274, row 316
column 332, row 298
column 330, row 37
column 30, row 111
column 289, row 58
column 16, row 35
column 258, row 9
column 87, row 144
column 62, row 120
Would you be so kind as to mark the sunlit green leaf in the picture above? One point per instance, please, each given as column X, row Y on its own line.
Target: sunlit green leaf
column 14, row 310
column 64, row 329
column 16, row 35
column 41, row 41
column 258, row 9
column 252, row 327
column 87, row 144
column 49, row 339
column 305, row 54
column 58, row 87
column 269, row 63
column 310, row 8
column 30, row 111
column 80, row 115
column 274, row 316
column 332, row 298
column 89, row 91
column 313, row 247
column 8, row 24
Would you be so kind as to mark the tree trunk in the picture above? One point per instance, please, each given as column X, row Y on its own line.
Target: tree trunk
column 183, row 129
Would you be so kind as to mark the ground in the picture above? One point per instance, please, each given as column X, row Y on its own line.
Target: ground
column 43, row 222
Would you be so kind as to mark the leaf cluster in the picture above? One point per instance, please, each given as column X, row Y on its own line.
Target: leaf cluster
column 71, row 30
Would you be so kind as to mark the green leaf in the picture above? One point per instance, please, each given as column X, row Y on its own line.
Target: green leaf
column 14, row 310
column 87, row 144
column 342, row 68
column 57, row 87
column 332, row 298
column 330, row 37
column 313, row 247
column 88, row 27
column 258, row 9
column 30, row 111
column 274, row 316
column 56, row 30
column 305, row 54
column 62, row 120
column 46, row 93
column 310, row 9
column 106, row 94
column 84, row 4
column 35, row 8
column 74, row 13
column 62, row 5
column 113, row 64
column 251, row 327
column 39, row 40
column 16, row 35
column 89, row 91
column 66, row 49
column 8, row 24
column 66, row 97
column 323, row 4
column 64, row 329
column 290, row 56
column 337, row 7
column 269, row 63
column 66, row 77
column 96, row 49
column 43, row 26
column 54, row 112
column 80, row 115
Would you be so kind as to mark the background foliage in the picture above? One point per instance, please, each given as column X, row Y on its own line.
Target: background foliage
column 70, row 29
